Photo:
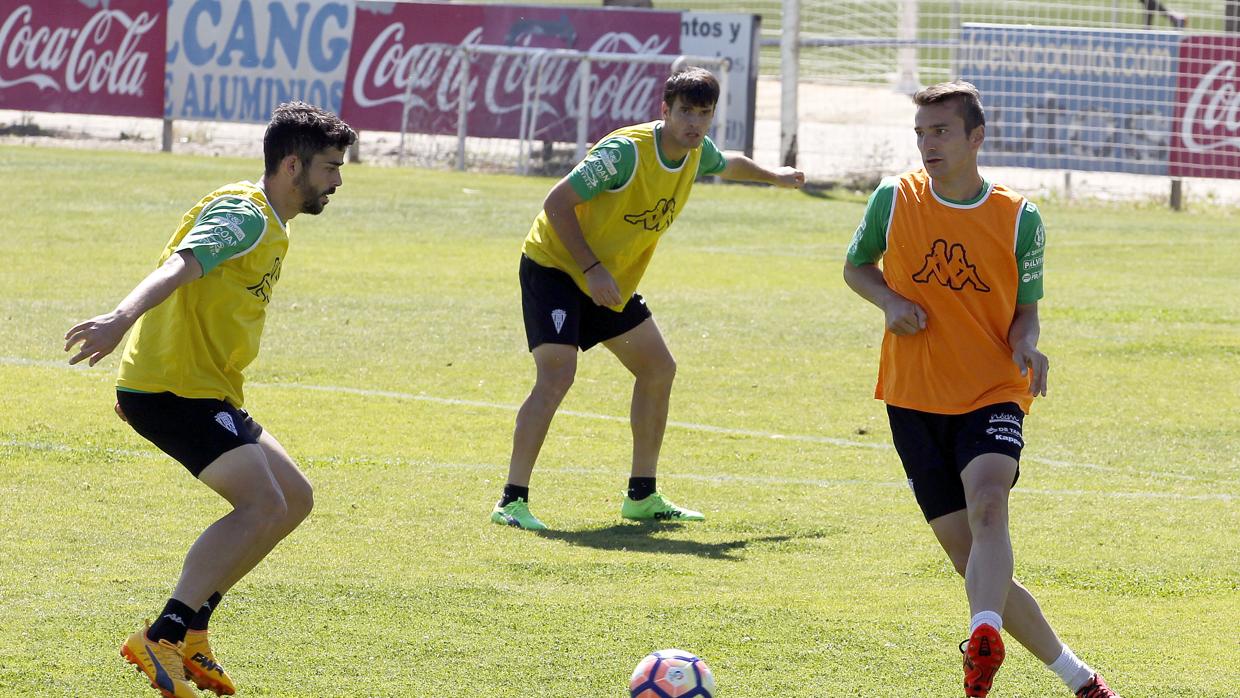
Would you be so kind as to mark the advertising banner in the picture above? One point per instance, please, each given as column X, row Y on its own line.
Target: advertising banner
column 1074, row 99
column 734, row 37
column 83, row 56
column 404, row 63
column 236, row 61
column 1206, row 138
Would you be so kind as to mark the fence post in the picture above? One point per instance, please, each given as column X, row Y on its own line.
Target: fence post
column 789, row 59
column 462, row 112
column 908, row 82
column 583, row 106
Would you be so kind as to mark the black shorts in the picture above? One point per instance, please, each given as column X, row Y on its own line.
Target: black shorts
column 557, row 312
column 193, row 431
column 935, row 448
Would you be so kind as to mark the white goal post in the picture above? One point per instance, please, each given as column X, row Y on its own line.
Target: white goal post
column 538, row 59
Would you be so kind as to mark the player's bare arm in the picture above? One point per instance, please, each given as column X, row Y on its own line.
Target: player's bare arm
column 743, row 169
column 101, row 334
column 559, row 205
column 902, row 316
column 1023, row 338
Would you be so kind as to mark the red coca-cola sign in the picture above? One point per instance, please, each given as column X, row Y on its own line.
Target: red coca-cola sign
column 404, row 61
column 1205, row 141
column 83, row 56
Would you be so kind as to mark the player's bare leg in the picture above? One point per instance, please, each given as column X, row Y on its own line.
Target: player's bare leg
column 1022, row 616
column 644, row 353
column 556, row 366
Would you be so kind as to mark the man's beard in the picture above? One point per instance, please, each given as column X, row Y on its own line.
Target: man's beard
column 311, row 200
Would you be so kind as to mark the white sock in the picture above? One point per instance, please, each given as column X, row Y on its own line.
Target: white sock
column 1072, row 671
column 989, row 618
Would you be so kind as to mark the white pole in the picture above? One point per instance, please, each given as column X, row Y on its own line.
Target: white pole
column 721, row 107
column 462, row 112
column 583, row 106
column 907, row 82
column 789, row 58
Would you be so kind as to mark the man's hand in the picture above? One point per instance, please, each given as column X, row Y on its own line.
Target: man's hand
column 1034, row 364
column 98, row 335
column 903, row 316
column 603, row 289
column 789, row 178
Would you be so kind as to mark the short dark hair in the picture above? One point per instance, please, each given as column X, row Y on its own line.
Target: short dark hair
column 696, row 87
column 301, row 129
column 964, row 94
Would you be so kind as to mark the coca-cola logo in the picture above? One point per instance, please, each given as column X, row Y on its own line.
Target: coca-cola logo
column 1212, row 114
column 428, row 76
column 87, row 59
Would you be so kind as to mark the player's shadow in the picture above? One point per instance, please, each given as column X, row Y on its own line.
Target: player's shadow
column 638, row 537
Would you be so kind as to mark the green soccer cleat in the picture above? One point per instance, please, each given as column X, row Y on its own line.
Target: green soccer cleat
column 656, row 507
column 517, row 514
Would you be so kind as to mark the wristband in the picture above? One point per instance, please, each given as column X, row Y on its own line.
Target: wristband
column 587, row 269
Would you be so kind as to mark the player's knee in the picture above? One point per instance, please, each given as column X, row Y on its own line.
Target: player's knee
column 300, row 502
column 266, row 508
column 988, row 507
column 553, row 384
column 660, row 371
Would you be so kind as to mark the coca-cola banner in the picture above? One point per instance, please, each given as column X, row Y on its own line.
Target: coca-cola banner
column 1073, row 99
column 1206, row 136
column 405, row 54
column 83, row 56
column 236, row 61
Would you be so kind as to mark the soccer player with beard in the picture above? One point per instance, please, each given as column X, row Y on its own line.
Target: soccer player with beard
column 580, row 265
column 197, row 320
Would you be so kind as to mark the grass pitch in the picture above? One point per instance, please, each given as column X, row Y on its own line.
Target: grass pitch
column 392, row 367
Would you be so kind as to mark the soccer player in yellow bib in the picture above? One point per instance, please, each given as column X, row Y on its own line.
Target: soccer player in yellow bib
column 959, row 368
column 197, row 319
column 580, row 267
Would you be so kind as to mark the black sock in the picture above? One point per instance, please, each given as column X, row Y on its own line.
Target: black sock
column 640, row 487
column 512, row 493
column 203, row 616
column 172, row 623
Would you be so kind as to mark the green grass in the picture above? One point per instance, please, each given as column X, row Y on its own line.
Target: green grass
column 814, row 574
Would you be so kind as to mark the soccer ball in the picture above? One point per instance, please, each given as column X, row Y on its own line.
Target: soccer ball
column 672, row 674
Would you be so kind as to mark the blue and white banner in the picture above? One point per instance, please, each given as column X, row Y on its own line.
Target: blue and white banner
column 232, row 60
column 1074, row 99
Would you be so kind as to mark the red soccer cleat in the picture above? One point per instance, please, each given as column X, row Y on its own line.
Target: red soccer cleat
column 983, row 654
column 1096, row 688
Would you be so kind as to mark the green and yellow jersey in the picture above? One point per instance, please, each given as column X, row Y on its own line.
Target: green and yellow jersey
column 632, row 194
column 968, row 264
column 197, row 342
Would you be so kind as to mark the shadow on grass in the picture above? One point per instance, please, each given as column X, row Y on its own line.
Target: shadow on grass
column 641, row 537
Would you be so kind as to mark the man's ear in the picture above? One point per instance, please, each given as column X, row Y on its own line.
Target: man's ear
column 977, row 136
column 291, row 165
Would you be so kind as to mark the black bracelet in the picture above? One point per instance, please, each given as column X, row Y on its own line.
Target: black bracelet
column 587, row 269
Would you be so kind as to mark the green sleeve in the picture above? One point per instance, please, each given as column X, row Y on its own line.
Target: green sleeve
column 227, row 228
column 870, row 241
column 712, row 161
column 608, row 166
column 1030, row 254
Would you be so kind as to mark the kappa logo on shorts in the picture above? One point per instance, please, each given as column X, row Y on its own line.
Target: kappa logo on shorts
column 225, row 420
column 558, row 316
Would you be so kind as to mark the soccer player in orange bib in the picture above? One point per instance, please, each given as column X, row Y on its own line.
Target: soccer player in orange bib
column 959, row 288
column 197, row 320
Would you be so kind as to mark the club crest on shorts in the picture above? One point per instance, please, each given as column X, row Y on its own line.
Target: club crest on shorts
column 225, row 420
column 558, row 316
